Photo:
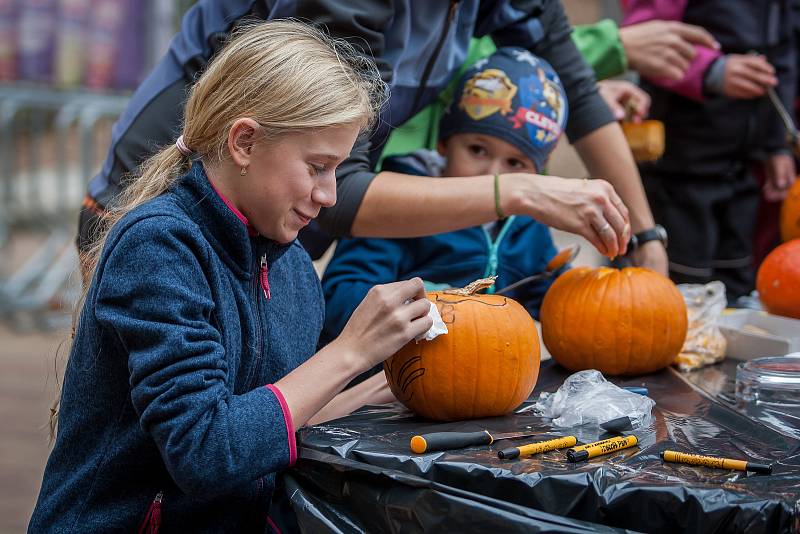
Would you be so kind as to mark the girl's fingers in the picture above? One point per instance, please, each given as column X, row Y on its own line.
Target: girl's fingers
column 414, row 310
column 406, row 290
column 420, row 325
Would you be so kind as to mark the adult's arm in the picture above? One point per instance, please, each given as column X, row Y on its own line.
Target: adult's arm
column 595, row 134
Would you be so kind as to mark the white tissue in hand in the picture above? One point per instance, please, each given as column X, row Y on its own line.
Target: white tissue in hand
column 438, row 327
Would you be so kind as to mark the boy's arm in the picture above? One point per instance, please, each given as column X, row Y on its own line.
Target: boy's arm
column 691, row 84
column 356, row 266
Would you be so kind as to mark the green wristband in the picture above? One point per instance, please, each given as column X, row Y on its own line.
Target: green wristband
column 497, row 209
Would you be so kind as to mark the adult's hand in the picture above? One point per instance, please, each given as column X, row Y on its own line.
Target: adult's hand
column 779, row 172
column 624, row 98
column 663, row 48
column 652, row 255
column 590, row 208
column 390, row 316
column 747, row 76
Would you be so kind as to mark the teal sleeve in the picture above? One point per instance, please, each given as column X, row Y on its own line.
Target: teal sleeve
column 601, row 47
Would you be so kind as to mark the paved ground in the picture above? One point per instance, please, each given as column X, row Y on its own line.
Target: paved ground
column 27, row 387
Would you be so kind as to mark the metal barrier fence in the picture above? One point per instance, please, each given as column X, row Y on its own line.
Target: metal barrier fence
column 48, row 141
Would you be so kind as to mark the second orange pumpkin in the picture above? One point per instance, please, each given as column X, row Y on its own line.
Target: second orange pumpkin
column 620, row 322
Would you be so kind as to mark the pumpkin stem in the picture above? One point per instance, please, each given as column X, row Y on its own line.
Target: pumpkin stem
column 472, row 287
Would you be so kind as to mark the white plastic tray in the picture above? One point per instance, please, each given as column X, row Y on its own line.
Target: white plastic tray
column 753, row 334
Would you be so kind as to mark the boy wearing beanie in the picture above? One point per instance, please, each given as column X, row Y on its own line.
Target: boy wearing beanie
column 507, row 114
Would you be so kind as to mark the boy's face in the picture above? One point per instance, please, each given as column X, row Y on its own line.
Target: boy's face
column 478, row 154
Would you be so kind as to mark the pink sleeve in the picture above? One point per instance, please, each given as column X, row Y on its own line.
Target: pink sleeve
column 287, row 418
column 691, row 85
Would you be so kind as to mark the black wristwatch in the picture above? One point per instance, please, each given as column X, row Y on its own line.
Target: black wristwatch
column 655, row 233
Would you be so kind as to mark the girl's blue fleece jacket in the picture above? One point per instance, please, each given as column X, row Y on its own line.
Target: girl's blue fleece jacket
column 166, row 390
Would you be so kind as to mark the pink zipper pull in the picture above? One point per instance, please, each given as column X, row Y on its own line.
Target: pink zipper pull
column 264, row 277
column 152, row 520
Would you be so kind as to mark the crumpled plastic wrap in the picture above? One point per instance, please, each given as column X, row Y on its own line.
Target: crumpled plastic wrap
column 587, row 398
column 705, row 344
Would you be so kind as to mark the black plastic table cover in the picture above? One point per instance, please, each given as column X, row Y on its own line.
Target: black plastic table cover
column 358, row 474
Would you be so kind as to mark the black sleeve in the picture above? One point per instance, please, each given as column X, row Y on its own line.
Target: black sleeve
column 360, row 22
column 363, row 24
column 587, row 110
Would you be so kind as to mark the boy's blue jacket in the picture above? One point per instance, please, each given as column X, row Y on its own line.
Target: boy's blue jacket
column 165, row 390
column 521, row 248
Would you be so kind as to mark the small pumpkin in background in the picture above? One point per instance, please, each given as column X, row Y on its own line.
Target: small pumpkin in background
column 486, row 364
column 645, row 138
column 790, row 213
column 620, row 322
column 778, row 280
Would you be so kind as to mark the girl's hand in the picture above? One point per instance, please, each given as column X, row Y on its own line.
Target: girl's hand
column 390, row 316
column 590, row 208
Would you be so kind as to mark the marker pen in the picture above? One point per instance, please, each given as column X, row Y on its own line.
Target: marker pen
column 718, row 463
column 536, row 448
column 599, row 448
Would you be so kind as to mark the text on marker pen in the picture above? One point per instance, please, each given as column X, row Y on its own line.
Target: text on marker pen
column 536, row 448
column 607, row 446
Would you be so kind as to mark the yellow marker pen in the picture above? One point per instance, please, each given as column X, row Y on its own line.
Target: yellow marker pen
column 536, row 448
column 718, row 463
column 598, row 448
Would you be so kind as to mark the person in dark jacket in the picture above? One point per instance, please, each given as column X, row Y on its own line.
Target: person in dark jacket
column 507, row 115
column 418, row 46
column 718, row 122
column 194, row 357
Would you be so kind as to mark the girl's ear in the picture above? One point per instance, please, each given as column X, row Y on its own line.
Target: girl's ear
column 241, row 139
column 441, row 148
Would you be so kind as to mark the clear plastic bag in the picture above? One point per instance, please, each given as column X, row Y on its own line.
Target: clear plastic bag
column 586, row 397
column 704, row 343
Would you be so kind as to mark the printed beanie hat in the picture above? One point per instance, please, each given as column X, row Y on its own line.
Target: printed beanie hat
column 512, row 95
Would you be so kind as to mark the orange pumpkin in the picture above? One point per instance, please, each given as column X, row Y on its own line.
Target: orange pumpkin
column 790, row 213
column 620, row 322
column 486, row 364
column 778, row 280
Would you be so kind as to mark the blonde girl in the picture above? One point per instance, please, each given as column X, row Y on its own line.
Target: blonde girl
column 194, row 356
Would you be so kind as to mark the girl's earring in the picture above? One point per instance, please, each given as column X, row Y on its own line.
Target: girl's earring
column 243, row 171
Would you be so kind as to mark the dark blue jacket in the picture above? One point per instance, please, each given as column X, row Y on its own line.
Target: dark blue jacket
column 165, row 386
column 522, row 247
column 453, row 259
